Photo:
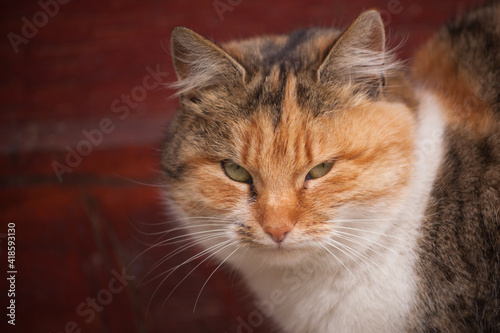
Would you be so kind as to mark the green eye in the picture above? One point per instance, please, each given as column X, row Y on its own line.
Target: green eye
column 236, row 172
column 319, row 170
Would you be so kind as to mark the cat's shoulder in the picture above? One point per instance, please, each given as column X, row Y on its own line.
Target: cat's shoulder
column 461, row 65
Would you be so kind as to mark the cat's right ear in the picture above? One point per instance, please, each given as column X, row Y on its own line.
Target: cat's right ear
column 200, row 63
column 359, row 57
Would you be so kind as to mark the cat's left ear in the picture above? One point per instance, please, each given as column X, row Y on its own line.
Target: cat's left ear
column 200, row 63
column 358, row 56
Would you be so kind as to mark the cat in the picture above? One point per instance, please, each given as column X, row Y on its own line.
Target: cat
column 318, row 153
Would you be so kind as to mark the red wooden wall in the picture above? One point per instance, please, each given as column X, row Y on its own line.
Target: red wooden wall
column 83, row 109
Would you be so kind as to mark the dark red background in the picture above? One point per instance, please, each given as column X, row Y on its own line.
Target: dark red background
column 71, row 234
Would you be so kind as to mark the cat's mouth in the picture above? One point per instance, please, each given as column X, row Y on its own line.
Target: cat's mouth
column 284, row 256
column 283, row 250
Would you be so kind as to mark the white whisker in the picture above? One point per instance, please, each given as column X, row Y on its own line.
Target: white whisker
column 351, row 253
column 173, row 269
column 138, row 182
column 222, row 247
column 366, row 246
column 364, row 220
column 202, row 287
column 193, row 243
column 190, row 235
column 359, row 255
column 366, row 239
column 340, row 261
column 166, row 242
column 371, row 232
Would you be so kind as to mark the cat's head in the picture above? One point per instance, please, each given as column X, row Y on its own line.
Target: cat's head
column 280, row 139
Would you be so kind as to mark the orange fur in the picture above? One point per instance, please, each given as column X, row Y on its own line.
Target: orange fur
column 372, row 145
column 456, row 89
column 304, row 111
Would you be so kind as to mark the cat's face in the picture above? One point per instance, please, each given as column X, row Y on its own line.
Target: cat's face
column 283, row 198
column 280, row 179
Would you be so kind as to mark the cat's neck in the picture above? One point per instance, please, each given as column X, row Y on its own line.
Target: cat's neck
column 428, row 155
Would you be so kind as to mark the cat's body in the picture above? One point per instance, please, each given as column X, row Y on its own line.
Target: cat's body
column 350, row 199
column 459, row 256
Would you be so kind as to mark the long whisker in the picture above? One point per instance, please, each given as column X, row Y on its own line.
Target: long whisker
column 202, row 287
column 138, row 182
column 195, row 225
column 192, row 243
column 358, row 254
column 163, row 243
column 366, row 239
column 164, row 233
column 222, row 247
column 173, row 269
column 188, row 219
column 373, row 221
column 190, row 235
column 181, row 227
column 340, row 261
column 366, row 246
column 235, row 267
column 351, row 253
column 371, row 232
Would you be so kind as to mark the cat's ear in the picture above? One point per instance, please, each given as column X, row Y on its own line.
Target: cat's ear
column 200, row 63
column 358, row 56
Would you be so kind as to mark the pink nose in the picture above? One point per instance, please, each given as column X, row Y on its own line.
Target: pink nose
column 277, row 234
